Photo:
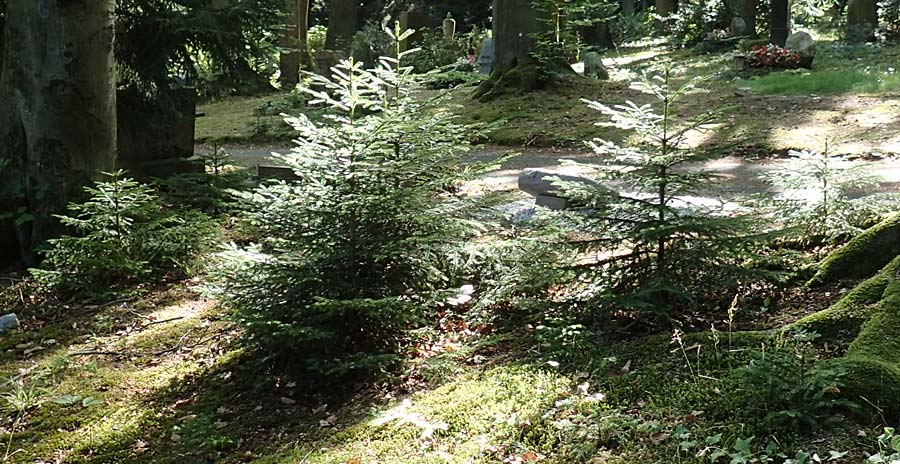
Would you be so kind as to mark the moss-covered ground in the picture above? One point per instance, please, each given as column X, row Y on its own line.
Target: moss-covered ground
column 165, row 378
column 849, row 99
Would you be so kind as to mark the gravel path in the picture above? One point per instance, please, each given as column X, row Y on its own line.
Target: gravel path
column 740, row 175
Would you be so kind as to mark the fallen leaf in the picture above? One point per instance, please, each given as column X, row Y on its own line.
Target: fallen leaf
column 658, row 438
column 288, row 401
column 354, row 461
column 140, row 447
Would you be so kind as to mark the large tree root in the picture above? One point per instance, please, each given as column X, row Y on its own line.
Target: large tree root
column 862, row 256
column 868, row 316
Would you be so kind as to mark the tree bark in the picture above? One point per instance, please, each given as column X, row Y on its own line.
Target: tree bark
column 342, row 24
column 780, row 27
column 289, row 59
column 862, row 19
column 58, row 96
column 665, row 7
column 517, row 25
column 295, row 55
column 749, row 15
column 303, row 34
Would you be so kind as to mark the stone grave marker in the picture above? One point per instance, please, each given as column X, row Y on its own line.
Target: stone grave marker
column 486, row 56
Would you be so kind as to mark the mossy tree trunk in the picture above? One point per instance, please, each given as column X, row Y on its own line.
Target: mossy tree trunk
column 289, row 58
column 518, row 28
column 343, row 22
column 780, row 22
column 58, row 124
column 294, row 40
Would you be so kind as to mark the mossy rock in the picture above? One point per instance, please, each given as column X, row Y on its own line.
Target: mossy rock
column 863, row 256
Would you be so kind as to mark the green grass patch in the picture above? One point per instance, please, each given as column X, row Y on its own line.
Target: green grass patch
column 826, row 82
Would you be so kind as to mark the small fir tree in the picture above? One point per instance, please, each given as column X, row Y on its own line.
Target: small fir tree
column 121, row 236
column 822, row 196
column 355, row 252
column 654, row 241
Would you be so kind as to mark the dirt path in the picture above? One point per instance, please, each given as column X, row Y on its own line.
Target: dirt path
column 739, row 175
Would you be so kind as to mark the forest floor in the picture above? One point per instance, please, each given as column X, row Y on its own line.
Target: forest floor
column 164, row 378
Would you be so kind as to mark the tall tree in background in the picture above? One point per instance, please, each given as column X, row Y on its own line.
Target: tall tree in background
column 862, row 19
column 780, row 27
column 524, row 55
column 294, row 54
column 665, row 7
column 749, row 9
column 58, row 125
column 343, row 22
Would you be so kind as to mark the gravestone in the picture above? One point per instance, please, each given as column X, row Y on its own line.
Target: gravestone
column 449, row 27
column 9, row 322
column 266, row 171
column 593, row 66
column 804, row 45
column 739, row 27
column 156, row 138
column 327, row 59
column 486, row 56
column 540, row 184
column 417, row 21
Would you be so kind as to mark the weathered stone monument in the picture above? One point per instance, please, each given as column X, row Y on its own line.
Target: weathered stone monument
column 327, row 59
column 449, row 27
column 417, row 20
column 156, row 138
column 804, row 45
column 739, row 27
column 540, row 184
column 593, row 66
column 486, row 56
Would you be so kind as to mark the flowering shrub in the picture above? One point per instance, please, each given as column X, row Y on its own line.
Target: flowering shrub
column 772, row 56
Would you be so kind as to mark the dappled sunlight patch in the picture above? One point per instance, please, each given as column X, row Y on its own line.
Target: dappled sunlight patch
column 99, row 433
column 474, row 418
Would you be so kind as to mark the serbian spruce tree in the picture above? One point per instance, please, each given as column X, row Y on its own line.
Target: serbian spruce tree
column 357, row 249
column 654, row 243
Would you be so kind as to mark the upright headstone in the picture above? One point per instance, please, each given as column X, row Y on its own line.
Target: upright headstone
column 449, row 27
column 486, row 56
column 739, row 27
column 417, row 21
column 156, row 138
column 593, row 66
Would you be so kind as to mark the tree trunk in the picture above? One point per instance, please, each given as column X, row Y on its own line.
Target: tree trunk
column 342, row 24
column 780, row 22
column 289, row 60
column 748, row 14
column 862, row 19
column 665, row 7
column 58, row 123
column 303, row 34
column 516, row 28
column 294, row 38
